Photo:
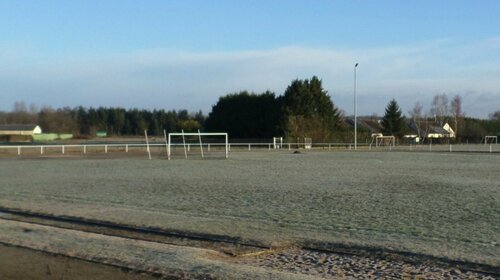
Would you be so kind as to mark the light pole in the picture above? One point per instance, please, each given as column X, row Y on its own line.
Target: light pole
column 355, row 111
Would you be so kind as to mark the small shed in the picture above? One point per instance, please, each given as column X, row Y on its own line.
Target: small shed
column 19, row 132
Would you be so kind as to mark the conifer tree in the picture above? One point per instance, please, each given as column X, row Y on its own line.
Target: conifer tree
column 393, row 122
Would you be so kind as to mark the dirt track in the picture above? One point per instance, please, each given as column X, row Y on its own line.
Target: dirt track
column 22, row 263
column 62, row 250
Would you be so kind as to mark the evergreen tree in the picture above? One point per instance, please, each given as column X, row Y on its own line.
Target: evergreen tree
column 309, row 111
column 393, row 122
column 246, row 115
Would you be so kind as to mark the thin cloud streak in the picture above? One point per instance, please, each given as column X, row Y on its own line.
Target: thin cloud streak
column 170, row 79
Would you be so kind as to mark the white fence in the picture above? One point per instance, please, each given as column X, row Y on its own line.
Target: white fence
column 211, row 147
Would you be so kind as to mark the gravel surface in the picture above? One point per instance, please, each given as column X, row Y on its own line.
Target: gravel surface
column 330, row 265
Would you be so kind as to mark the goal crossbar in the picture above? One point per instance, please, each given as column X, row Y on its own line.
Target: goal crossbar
column 493, row 138
column 199, row 134
column 392, row 140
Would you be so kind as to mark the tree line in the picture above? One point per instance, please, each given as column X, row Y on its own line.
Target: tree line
column 86, row 122
column 305, row 109
column 442, row 111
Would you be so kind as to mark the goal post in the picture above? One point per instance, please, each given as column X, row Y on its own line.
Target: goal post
column 307, row 143
column 277, row 142
column 197, row 137
column 490, row 139
column 385, row 141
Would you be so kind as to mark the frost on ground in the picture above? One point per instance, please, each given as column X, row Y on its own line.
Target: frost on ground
column 438, row 204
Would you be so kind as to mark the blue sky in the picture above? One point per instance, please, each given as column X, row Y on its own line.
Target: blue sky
column 185, row 54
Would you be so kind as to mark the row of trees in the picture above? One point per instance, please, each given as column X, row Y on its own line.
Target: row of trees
column 304, row 110
column 442, row 111
column 115, row 121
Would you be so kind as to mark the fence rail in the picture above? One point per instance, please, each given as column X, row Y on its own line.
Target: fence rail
column 124, row 147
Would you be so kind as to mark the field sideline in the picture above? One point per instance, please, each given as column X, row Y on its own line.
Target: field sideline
column 445, row 205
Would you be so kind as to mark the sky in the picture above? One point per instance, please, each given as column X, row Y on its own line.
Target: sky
column 186, row 54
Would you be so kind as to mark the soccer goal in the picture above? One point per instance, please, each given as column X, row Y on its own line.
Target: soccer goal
column 277, row 142
column 490, row 140
column 385, row 141
column 308, row 143
column 198, row 144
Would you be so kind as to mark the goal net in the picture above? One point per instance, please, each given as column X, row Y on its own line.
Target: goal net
column 490, row 140
column 197, row 145
column 385, row 141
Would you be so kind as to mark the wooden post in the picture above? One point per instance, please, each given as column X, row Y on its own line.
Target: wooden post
column 166, row 141
column 201, row 145
column 147, row 144
column 184, row 144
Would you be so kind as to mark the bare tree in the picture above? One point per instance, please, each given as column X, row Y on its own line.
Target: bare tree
column 416, row 115
column 20, row 114
column 439, row 108
column 33, row 109
column 456, row 111
column 20, row 107
column 495, row 115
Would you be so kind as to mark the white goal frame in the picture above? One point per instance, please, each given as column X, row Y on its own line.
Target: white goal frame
column 308, row 143
column 277, row 142
column 492, row 137
column 199, row 134
column 392, row 141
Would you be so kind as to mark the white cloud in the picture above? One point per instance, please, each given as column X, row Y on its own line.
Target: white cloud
column 175, row 79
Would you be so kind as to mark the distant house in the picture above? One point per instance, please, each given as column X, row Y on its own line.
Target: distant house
column 18, row 132
column 436, row 132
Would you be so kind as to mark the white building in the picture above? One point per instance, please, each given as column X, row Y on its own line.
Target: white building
column 18, row 132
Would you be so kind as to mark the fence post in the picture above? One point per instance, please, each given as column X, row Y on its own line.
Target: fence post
column 450, row 148
column 18, row 150
column 249, row 147
column 329, row 147
column 126, row 148
column 209, row 147
column 370, row 147
column 349, row 146
column 269, row 147
column 41, row 150
column 490, row 148
column 62, row 149
column 430, row 147
column 84, row 149
column 106, row 149
column 289, row 146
